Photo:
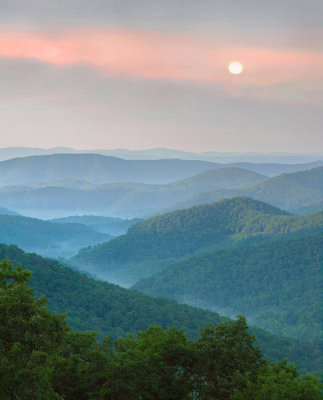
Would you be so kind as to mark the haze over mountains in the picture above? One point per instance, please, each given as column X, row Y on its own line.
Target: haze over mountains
column 295, row 192
column 149, row 245
column 48, row 238
column 221, row 236
column 165, row 153
column 98, row 169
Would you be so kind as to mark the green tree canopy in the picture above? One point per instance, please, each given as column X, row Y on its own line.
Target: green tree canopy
column 29, row 335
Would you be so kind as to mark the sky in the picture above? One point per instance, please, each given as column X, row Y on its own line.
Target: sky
column 139, row 74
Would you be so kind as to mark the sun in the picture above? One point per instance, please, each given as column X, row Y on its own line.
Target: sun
column 235, row 67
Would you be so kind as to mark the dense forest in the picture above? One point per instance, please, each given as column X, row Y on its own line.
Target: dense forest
column 278, row 285
column 41, row 358
column 114, row 311
column 150, row 245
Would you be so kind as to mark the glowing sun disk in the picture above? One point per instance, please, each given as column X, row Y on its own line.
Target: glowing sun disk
column 235, row 67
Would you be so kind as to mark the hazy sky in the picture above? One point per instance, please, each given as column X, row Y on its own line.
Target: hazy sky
column 151, row 73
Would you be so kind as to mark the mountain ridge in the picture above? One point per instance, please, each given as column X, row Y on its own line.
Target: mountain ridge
column 153, row 243
column 277, row 284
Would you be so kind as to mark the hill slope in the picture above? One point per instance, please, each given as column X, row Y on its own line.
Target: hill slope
column 150, row 245
column 287, row 191
column 291, row 191
column 219, row 178
column 111, row 310
column 47, row 238
column 277, row 285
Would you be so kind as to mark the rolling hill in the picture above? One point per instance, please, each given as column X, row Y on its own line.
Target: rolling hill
column 111, row 310
column 96, row 169
column 277, row 285
column 291, row 192
column 152, row 244
column 47, row 238
column 218, row 178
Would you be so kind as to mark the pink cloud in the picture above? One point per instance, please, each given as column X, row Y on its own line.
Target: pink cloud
column 162, row 56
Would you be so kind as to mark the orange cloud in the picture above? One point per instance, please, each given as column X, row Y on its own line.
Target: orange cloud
column 162, row 56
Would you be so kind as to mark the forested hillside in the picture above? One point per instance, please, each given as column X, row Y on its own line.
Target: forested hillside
column 150, row 245
column 47, row 238
column 277, row 285
column 45, row 360
column 111, row 310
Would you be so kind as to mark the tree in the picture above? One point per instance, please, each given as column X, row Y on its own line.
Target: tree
column 81, row 367
column 280, row 382
column 154, row 365
column 29, row 336
column 226, row 358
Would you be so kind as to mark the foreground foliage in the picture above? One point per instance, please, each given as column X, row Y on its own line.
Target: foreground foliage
column 114, row 311
column 41, row 358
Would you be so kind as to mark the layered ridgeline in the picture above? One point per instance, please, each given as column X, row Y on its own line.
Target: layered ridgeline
column 96, row 168
column 299, row 192
column 152, row 244
column 112, row 226
column 289, row 161
column 111, row 310
column 72, row 196
column 277, row 285
column 48, row 238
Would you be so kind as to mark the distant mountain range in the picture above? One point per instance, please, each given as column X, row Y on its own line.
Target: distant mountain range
column 48, row 238
column 98, row 169
column 296, row 192
column 277, row 285
column 151, row 245
column 114, row 311
column 164, row 153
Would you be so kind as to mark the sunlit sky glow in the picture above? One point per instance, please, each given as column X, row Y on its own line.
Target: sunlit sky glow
column 107, row 74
